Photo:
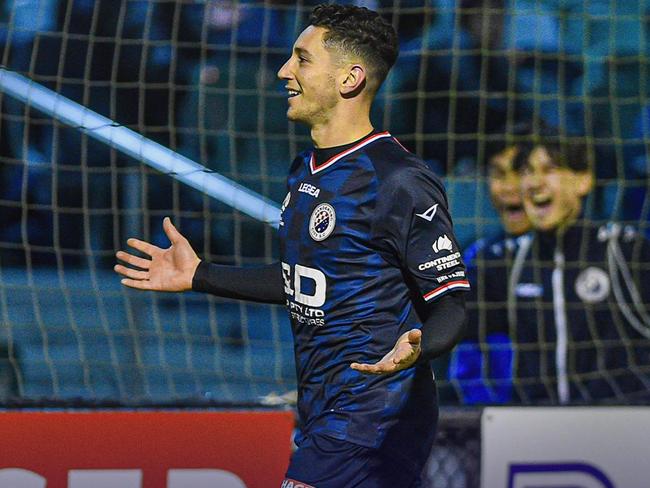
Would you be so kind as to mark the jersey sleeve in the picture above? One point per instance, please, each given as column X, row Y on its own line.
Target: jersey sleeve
column 414, row 224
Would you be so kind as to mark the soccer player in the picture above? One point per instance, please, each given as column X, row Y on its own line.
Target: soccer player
column 572, row 295
column 370, row 271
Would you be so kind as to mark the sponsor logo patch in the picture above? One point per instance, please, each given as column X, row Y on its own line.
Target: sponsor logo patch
column 592, row 285
column 442, row 263
column 309, row 189
column 289, row 483
column 443, row 243
column 452, row 276
column 322, row 222
column 429, row 213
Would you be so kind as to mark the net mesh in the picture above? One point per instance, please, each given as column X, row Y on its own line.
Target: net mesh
column 200, row 77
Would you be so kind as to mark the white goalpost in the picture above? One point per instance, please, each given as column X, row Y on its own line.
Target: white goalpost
column 140, row 148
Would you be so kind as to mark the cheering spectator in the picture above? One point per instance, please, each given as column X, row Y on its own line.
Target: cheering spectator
column 571, row 296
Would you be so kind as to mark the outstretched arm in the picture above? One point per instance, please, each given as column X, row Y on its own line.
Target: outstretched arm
column 178, row 268
column 441, row 331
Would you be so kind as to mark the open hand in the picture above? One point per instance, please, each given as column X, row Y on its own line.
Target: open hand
column 406, row 351
column 170, row 269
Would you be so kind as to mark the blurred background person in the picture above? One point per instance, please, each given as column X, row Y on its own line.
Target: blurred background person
column 504, row 185
column 572, row 296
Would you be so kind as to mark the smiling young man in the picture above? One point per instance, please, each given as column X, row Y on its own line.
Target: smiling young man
column 369, row 269
column 553, row 185
column 572, row 295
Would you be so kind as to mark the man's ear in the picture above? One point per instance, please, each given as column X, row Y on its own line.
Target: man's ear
column 353, row 81
column 584, row 182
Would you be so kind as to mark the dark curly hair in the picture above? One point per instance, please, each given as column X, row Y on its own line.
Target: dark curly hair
column 566, row 151
column 360, row 32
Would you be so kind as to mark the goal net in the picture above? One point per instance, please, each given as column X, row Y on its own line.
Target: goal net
column 199, row 78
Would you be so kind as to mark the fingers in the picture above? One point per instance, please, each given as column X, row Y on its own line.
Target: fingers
column 406, row 355
column 409, row 351
column 171, row 231
column 143, row 246
column 131, row 273
column 138, row 284
column 377, row 368
column 133, row 260
column 415, row 337
column 391, row 365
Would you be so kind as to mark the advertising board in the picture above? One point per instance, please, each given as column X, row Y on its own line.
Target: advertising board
column 577, row 447
column 138, row 449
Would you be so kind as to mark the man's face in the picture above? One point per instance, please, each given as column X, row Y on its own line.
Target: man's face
column 310, row 74
column 552, row 194
column 505, row 191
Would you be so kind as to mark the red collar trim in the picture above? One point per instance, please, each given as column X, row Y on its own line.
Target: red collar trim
column 315, row 169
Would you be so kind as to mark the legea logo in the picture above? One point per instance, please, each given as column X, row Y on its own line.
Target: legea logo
column 557, row 475
column 124, row 478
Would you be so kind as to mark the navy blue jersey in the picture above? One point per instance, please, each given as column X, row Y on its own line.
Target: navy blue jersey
column 366, row 243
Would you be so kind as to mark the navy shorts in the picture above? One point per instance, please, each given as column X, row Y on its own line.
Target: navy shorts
column 325, row 462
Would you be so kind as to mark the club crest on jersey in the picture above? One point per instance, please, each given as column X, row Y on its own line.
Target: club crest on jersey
column 322, row 222
column 592, row 285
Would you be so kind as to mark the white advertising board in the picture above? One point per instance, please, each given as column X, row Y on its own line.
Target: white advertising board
column 577, row 447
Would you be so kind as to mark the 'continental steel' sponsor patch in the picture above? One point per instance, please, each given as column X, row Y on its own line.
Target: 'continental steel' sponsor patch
column 442, row 263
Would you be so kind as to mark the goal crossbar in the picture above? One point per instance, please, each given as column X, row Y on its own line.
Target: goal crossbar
column 139, row 147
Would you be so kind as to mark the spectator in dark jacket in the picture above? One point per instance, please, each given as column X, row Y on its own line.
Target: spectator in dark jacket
column 572, row 296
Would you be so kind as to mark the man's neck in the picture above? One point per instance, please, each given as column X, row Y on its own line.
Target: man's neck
column 570, row 221
column 341, row 129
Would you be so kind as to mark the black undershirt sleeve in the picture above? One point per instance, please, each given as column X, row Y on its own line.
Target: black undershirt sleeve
column 444, row 327
column 258, row 283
